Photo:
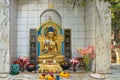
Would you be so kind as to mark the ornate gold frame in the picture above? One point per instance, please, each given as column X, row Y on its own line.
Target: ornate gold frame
column 41, row 37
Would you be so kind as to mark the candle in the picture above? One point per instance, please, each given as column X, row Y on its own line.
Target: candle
column 54, row 61
column 44, row 61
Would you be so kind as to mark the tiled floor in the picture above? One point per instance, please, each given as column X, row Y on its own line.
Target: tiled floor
column 35, row 76
column 114, row 75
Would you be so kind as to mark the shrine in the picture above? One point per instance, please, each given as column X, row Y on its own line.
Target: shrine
column 49, row 32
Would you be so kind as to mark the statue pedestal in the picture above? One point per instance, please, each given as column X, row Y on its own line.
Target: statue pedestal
column 50, row 58
column 55, row 67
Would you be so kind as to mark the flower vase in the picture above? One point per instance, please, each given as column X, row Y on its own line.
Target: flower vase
column 87, row 63
column 87, row 67
column 74, row 68
column 22, row 68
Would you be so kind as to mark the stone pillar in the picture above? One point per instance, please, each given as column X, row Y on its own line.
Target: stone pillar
column 102, row 37
column 4, row 37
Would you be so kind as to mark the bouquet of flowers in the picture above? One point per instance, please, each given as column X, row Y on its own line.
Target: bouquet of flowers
column 22, row 61
column 87, row 53
column 74, row 61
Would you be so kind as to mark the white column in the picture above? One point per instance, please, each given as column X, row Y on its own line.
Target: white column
column 4, row 37
column 102, row 37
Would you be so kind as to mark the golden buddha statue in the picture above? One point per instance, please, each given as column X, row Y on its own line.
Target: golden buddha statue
column 50, row 50
column 50, row 44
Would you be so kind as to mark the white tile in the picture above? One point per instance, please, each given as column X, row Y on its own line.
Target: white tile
column 78, row 12
column 22, row 35
column 58, row 1
column 78, row 35
column 56, row 19
column 44, row 19
column 90, row 34
column 90, row 42
column 22, row 50
column 22, row 7
column 53, row 14
column 68, row 10
column 32, row 26
column 89, row 4
column 24, row 54
column 66, row 26
column 33, row 7
column 79, row 27
column 15, row 29
column 40, row 12
column 11, row 25
column 22, row 20
column 22, row 1
column 74, row 51
column 40, row 2
column 15, row 3
column 33, row 21
column 43, row 7
column 33, row 1
column 70, row 20
column 43, row 1
column 22, row 13
column 22, row 27
column 90, row 11
column 33, row 14
column 58, row 6
column 13, row 42
column 22, row 42
column 90, row 18
column 61, row 12
column 77, row 41
column 90, row 26
column 12, row 10
column 13, row 35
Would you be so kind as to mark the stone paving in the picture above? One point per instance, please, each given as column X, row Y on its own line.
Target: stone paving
column 114, row 75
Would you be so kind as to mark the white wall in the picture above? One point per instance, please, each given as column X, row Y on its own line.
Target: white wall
column 90, row 27
column 90, row 23
column 28, row 17
column 13, row 28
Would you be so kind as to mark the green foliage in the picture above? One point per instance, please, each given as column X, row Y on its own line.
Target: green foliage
column 114, row 7
column 77, row 2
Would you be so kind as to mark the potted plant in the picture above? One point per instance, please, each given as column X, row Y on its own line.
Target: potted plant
column 75, row 63
column 88, row 53
column 15, row 67
column 23, row 62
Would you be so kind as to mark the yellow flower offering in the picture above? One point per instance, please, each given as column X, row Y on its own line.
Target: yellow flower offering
column 50, row 77
column 64, row 74
column 42, row 76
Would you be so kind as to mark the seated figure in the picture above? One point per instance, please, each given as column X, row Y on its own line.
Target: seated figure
column 50, row 44
column 50, row 50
